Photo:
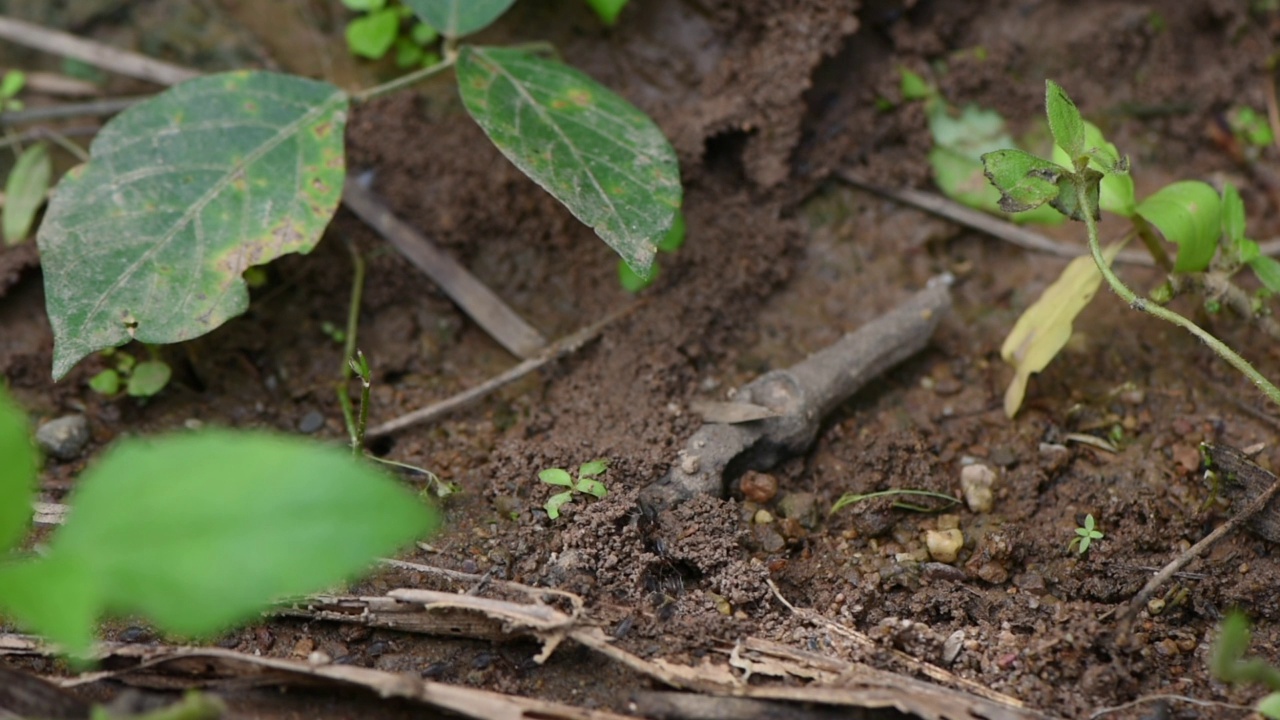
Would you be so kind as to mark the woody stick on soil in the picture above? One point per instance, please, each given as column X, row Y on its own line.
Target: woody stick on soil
column 791, row 403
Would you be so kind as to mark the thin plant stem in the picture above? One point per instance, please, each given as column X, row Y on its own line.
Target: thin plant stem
column 362, row 418
column 65, row 143
column 1138, row 303
column 403, row 81
column 349, row 346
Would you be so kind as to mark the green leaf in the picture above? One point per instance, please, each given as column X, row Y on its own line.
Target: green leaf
column 407, row 53
column 364, row 5
column 1269, row 706
column 1065, row 122
column 556, row 476
column 914, row 86
column 17, row 472
column 456, row 18
column 1233, row 220
column 633, row 283
column 1068, row 202
column 148, row 378
column 1024, row 180
column 106, row 382
column 198, row 532
column 1268, row 271
column 24, row 192
column 1187, row 213
column 183, row 193
column 1044, row 328
column 608, row 10
column 592, row 487
column 555, row 502
column 674, row 239
column 372, row 35
column 591, row 149
column 53, row 596
column 12, row 83
column 593, row 468
column 1116, row 194
column 423, row 34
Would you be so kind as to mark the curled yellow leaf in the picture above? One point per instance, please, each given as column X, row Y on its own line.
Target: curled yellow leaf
column 1044, row 328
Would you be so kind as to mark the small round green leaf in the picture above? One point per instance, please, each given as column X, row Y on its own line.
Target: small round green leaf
column 556, row 476
column 200, row 531
column 608, row 10
column 372, row 35
column 17, row 472
column 106, row 382
column 1187, row 213
column 1269, row 706
column 148, row 378
column 183, row 192
column 456, row 18
column 592, row 487
column 593, row 468
column 555, row 502
column 24, row 192
column 12, row 83
column 591, row 149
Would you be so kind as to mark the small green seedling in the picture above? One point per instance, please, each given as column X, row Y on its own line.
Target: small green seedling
column 1085, row 535
column 1089, row 175
column 586, row 484
column 381, row 27
column 607, row 10
column 1228, row 663
column 1250, row 126
column 137, row 379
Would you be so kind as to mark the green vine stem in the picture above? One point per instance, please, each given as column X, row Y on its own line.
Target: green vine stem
column 1138, row 303
column 404, row 81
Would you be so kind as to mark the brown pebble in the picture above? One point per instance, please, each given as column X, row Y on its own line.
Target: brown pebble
column 758, row 487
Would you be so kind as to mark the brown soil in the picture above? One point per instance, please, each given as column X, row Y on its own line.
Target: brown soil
column 763, row 100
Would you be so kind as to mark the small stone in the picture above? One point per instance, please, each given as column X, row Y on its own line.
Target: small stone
column 768, row 539
column 1155, row 606
column 1003, row 456
column 1030, row 582
column 976, row 482
column 802, row 507
column 993, row 572
column 311, row 422
column 944, row 545
column 948, row 521
column 762, row 517
column 759, row 487
column 952, row 646
column 1053, row 456
column 64, row 438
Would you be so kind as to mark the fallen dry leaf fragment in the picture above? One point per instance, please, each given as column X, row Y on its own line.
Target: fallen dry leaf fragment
column 1044, row 328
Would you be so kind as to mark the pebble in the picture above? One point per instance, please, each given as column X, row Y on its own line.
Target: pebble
column 944, row 545
column 952, row 646
column 1053, row 456
column 976, row 482
column 802, row 507
column 758, row 487
column 64, row 438
column 311, row 422
column 762, row 517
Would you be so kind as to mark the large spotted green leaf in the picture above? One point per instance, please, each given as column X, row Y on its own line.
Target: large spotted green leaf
column 181, row 194
column 594, row 151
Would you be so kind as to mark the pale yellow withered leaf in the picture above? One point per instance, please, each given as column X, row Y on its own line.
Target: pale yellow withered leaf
column 1044, row 328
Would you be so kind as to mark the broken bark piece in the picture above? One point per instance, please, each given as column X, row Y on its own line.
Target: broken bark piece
column 799, row 397
column 1241, row 480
